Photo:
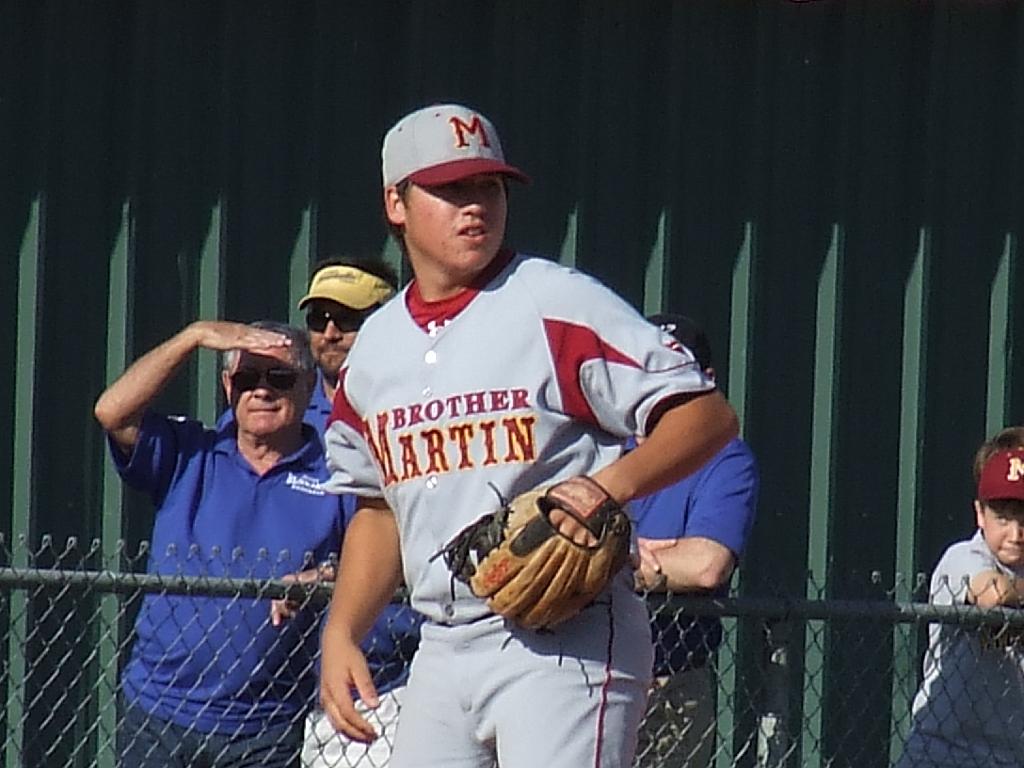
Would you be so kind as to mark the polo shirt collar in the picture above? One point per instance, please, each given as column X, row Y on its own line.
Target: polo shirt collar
column 306, row 455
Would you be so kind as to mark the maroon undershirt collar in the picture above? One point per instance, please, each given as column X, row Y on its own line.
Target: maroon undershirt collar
column 429, row 315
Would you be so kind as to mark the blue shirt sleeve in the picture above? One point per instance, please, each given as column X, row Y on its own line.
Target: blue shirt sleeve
column 717, row 502
column 158, row 453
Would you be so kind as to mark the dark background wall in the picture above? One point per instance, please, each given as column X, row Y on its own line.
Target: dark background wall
column 833, row 188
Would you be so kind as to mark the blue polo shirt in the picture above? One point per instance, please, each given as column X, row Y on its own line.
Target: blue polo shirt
column 717, row 502
column 395, row 636
column 216, row 664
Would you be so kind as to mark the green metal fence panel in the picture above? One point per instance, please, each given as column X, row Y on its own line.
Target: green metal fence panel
column 908, row 503
column 25, row 463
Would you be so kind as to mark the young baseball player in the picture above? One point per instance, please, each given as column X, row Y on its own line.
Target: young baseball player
column 970, row 708
column 491, row 374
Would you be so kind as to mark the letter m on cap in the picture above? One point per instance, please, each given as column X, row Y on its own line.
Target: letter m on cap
column 1016, row 472
column 463, row 130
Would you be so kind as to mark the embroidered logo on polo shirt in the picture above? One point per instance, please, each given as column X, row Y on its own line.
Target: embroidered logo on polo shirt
column 305, row 484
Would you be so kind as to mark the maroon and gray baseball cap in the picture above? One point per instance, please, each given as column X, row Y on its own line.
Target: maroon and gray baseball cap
column 1003, row 476
column 441, row 144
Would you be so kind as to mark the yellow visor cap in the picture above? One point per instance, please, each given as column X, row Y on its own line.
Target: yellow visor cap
column 349, row 286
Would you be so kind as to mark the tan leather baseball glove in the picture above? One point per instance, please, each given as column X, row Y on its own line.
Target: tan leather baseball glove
column 526, row 569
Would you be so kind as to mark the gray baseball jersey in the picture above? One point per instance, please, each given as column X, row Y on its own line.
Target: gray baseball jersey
column 535, row 375
column 970, row 708
column 541, row 377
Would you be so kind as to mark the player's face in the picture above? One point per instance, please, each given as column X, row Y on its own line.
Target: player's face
column 1003, row 532
column 268, row 394
column 452, row 232
column 332, row 332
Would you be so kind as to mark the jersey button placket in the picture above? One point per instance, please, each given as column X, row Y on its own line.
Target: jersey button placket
column 430, row 359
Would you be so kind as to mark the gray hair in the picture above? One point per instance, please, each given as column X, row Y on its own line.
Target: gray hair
column 302, row 357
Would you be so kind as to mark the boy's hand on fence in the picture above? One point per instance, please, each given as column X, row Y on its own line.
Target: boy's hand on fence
column 343, row 668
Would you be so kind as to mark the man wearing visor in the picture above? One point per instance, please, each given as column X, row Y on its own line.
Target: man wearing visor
column 343, row 292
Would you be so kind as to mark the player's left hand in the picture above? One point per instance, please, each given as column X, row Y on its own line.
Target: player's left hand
column 569, row 525
column 571, row 528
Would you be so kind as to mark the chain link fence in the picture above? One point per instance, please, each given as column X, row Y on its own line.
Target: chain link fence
column 767, row 682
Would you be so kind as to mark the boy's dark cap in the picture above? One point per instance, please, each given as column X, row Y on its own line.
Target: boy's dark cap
column 1003, row 476
column 687, row 332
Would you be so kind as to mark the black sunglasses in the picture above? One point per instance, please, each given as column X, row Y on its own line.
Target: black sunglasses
column 281, row 379
column 317, row 319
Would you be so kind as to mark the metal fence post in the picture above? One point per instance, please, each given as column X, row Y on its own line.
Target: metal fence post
column 773, row 736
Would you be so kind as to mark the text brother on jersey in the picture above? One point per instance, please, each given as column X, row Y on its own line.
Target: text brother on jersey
column 482, row 441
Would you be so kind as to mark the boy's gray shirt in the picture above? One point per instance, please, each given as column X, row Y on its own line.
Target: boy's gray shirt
column 970, row 708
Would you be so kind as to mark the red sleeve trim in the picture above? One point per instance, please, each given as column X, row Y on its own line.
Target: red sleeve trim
column 342, row 409
column 571, row 347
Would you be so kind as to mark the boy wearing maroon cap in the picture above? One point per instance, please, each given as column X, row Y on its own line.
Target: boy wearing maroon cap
column 970, row 708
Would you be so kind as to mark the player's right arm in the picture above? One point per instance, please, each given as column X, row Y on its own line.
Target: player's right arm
column 120, row 408
column 369, row 572
column 685, row 436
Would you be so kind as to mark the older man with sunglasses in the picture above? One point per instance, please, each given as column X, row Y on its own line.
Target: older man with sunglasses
column 343, row 292
column 210, row 681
